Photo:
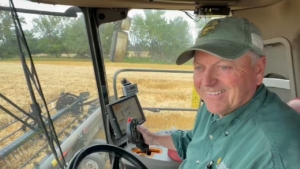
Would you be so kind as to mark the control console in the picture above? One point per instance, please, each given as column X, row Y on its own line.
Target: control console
column 125, row 115
column 123, row 109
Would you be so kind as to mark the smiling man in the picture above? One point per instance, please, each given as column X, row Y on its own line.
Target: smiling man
column 226, row 85
column 241, row 125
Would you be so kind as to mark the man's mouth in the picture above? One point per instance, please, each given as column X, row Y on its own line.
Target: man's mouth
column 215, row 92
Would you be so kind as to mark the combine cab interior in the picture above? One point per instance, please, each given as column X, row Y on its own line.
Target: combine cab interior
column 275, row 18
column 96, row 124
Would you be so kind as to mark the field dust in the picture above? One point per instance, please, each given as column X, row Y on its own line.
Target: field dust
column 158, row 90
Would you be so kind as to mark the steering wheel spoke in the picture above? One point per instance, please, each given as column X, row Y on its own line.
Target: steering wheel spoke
column 116, row 162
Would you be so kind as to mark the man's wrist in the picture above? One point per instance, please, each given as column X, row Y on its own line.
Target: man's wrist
column 154, row 140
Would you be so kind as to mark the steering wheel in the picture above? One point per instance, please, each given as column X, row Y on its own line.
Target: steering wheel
column 119, row 153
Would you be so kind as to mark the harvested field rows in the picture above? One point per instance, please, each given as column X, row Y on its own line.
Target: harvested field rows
column 155, row 90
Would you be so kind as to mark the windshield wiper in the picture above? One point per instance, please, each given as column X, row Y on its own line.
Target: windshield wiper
column 31, row 76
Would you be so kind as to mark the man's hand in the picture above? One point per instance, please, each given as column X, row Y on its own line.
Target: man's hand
column 148, row 136
column 154, row 139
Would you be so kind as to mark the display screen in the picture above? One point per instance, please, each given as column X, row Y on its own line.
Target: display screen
column 124, row 110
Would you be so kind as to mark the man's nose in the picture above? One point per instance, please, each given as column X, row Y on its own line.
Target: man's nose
column 209, row 78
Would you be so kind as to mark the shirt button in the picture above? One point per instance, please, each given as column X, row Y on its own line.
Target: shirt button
column 226, row 133
column 211, row 137
column 197, row 161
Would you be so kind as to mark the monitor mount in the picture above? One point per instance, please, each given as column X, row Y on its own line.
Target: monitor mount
column 128, row 88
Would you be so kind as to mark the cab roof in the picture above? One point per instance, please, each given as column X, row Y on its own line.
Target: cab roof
column 161, row 4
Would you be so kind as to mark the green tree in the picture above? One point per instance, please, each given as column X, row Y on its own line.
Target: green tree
column 50, row 31
column 76, row 40
column 175, row 39
column 137, row 35
column 8, row 39
column 33, row 42
column 163, row 38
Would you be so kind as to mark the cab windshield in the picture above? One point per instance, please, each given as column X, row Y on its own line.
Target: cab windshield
column 165, row 90
column 60, row 50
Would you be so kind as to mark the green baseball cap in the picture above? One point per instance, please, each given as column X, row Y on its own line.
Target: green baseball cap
column 227, row 38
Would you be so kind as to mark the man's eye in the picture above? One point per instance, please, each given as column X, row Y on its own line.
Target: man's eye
column 198, row 68
column 224, row 67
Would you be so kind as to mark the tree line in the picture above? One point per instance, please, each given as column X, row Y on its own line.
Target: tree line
column 53, row 36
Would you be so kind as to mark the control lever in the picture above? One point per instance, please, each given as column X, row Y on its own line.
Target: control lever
column 135, row 137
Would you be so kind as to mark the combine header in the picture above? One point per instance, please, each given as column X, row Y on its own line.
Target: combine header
column 68, row 112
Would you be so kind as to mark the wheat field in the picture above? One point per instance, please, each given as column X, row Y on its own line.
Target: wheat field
column 161, row 90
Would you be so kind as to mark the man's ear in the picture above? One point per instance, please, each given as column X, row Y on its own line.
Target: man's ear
column 260, row 69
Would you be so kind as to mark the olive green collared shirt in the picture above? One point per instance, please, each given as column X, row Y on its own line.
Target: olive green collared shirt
column 263, row 134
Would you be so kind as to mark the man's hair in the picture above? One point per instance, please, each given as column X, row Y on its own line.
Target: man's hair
column 254, row 57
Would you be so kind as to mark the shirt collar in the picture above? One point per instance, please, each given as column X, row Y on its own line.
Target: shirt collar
column 243, row 112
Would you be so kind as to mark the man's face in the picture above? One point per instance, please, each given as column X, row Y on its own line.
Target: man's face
column 225, row 85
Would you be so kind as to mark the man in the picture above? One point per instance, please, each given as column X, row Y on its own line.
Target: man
column 241, row 125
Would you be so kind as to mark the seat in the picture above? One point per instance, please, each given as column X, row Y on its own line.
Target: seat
column 174, row 155
column 279, row 86
column 295, row 104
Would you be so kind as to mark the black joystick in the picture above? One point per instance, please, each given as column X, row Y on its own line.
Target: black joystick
column 135, row 137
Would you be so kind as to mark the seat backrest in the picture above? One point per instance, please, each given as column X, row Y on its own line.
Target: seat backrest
column 279, row 86
column 295, row 104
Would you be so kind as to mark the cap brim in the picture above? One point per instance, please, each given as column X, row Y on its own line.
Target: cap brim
column 224, row 49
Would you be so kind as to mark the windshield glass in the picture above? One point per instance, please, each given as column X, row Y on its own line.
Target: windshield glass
column 165, row 90
column 61, row 54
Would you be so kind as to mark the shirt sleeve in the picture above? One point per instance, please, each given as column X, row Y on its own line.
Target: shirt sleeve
column 182, row 138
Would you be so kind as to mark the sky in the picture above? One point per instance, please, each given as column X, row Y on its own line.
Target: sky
column 61, row 8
